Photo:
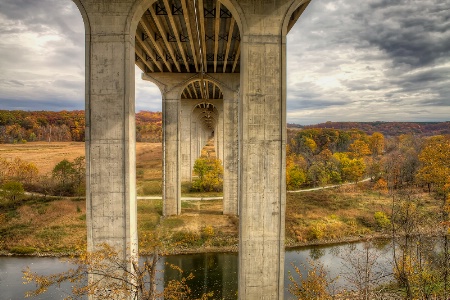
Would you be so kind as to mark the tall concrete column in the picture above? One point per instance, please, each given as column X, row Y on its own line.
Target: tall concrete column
column 218, row 131
column 262, row 146
column 230, row 152
column 171, row 87
column 172, row 153
column 186, row 139
column 110, row 129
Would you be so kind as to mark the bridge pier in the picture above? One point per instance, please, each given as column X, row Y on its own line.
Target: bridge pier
column 251, row 74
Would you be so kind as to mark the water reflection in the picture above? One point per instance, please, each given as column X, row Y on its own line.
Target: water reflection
column 216, row 272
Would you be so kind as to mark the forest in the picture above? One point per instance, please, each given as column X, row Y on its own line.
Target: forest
column 64, row 126
column 321, row 156
column 386, row 128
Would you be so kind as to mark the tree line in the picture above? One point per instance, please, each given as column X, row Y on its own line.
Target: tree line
column 64, row 126
column 321, row 156
column 386, row 128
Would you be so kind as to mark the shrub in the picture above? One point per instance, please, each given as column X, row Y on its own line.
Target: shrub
column 210, row 175
column 314, row 285
column 207, row 232
column 382, row 220
column 316, row 231
column 186, row 238
column 23, row 250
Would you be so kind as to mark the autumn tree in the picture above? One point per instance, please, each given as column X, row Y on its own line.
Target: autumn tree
column 435, row 163
column 377, row 143
column 295, row 171
column 359, row 149
column 362, row 269
column 435, row 172
column 117, row 278
column 209, row 173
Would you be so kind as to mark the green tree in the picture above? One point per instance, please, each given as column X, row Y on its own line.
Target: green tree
column 295, row 172
column 12, row 190
column 79, row 166
column 351, row 169
column 64, row 173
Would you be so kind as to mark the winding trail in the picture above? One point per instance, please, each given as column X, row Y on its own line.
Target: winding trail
column 327, row 187
column 214, row 198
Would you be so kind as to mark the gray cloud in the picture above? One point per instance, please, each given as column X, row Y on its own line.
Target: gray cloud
column 347, row 60
column 371, row 57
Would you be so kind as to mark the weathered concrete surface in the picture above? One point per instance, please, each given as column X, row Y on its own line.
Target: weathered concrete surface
column 262, row 146
column 110, row 127
column 171, row 86
column 260, row 130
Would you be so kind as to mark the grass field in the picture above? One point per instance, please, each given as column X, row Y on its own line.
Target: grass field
column 59, row 225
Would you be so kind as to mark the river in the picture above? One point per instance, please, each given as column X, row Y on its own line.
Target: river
column 217, row 272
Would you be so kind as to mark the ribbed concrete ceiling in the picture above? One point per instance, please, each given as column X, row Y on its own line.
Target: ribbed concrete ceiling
column 202, row 89
column 196, row 36
column 206, row 113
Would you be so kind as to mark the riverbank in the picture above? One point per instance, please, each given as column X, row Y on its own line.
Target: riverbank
column 57, row 227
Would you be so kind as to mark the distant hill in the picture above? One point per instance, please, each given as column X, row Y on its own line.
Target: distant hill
column 17, row 126
column 386, row 128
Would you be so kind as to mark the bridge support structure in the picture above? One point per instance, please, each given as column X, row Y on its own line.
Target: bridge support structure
column 254, row 118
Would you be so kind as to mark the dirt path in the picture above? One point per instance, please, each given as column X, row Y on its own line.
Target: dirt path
column 327, row 187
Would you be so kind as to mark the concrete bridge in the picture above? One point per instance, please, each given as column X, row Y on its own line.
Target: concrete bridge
column 220, row 64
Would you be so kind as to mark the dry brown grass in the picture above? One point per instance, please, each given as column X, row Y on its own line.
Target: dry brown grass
column 47, row 155
column 56, row 226
column 44, row 155
column 334, row 214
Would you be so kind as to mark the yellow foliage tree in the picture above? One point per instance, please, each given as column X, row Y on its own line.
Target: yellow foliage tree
column 295, row 172
column 359, row 149
column 377, row 143
column 435, row 163
column 210, row 174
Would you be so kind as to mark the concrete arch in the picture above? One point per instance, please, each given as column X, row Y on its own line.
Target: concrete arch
column 201, row 116
column 84, row 15
column 294, row 6
column 198, row 78
column 136, row 12
column 238, row 14
column 203, row 102
column 140, row 6
column 188, row 89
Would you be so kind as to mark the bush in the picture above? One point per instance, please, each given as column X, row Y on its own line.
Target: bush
column 186, row 238
column 23, row 250
column 316, row 231
column 210, row 175
column 382, row 220
column 207, row 232
column 314, row 285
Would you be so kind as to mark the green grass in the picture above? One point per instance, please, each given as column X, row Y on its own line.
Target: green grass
column 172, row 223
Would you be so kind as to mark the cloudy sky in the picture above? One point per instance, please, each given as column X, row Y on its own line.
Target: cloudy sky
column 348, row 60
